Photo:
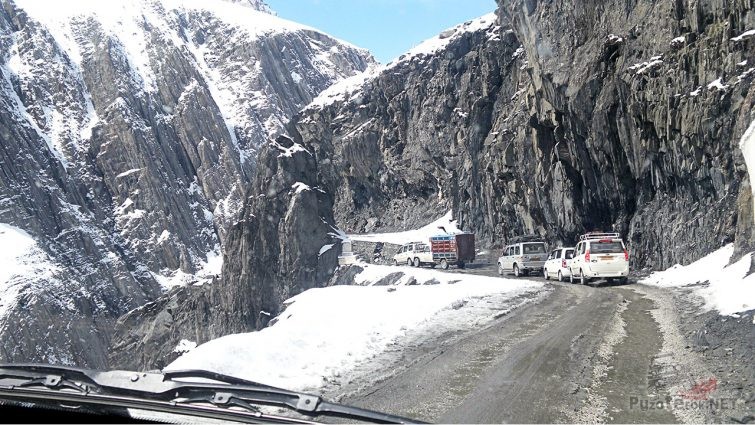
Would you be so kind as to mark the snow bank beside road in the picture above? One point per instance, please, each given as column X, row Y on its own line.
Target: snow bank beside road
column 730, row 290
column 419, row 235
column 325, row 332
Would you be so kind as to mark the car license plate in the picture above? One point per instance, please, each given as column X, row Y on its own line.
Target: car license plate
column 606, row 258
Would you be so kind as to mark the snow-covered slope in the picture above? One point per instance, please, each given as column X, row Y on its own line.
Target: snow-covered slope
column 130, row 132
column 324, row 333
column 728, row 289
column 445, row 224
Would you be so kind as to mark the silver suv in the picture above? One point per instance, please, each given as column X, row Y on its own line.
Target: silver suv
column 523, row 258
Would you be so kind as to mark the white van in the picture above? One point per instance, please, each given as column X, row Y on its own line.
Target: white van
column 600, row 256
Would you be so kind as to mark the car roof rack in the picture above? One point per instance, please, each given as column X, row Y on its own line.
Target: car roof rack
column 526, row 238
column 599, row 235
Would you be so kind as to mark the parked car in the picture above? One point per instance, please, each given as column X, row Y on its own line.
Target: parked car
column 557, row 264
column 600, row 256
column 443, row 251
column 522, row 258
column 414, row 254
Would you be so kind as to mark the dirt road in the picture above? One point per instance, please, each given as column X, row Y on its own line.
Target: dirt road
column 581, row 354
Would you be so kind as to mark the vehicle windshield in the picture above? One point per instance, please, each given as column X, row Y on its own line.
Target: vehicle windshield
column 601, row 247
column 533, row 248
column 367, row 202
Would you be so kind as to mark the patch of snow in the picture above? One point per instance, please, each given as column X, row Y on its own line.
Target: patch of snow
column 299, row 186
column 324, row 333
column 613, row 38
column 184, row 346
column 643, row 67
column 730, row 290
column 677, row 40
column 128, row 173
column 417, row 235
column 325, row 248
column 343, row 89
column 744, row 35
column 696, row 92
column 163, row 236
column 741, row 77
column 718, row 85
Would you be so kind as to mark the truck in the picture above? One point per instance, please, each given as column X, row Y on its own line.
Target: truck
column 455, row 249
column 443, row 251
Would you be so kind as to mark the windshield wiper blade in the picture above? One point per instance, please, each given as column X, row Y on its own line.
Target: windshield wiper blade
column 171, row 392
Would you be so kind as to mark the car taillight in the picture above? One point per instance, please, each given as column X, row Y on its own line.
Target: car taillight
column 587, row 255
column 626, row 255
column 563, row 264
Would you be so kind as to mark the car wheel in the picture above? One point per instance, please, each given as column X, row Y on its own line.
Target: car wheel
column 500, row 269
column 582, row 279
column 395, row 262
column 444, row 264
column 409, row 262
column 416, row 262
column 545, row 274
column 517, row 273
column 571, row 277
column 560, row 276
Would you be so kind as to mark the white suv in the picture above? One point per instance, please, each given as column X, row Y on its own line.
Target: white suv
column 522, row 258
column 557, row 264
column 600, row 255
column 414, row 254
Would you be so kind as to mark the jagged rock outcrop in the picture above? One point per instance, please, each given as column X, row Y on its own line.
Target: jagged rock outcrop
column 284, row 244
column 129, row 136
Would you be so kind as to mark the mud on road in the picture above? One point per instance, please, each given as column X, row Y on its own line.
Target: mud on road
column 579, row 354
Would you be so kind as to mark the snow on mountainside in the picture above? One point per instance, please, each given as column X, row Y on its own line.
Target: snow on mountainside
column 340, row 328
column 351, row 87
column 130, row 132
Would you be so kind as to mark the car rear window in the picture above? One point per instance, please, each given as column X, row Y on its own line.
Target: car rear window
column 534, row 248
column 569, row 254
column 612, row 247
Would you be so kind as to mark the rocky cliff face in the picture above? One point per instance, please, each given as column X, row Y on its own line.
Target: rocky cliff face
column 567, row 118
column 285, row 243
column 129, row 135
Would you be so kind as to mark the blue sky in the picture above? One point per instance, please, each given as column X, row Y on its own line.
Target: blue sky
column 386, row 27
